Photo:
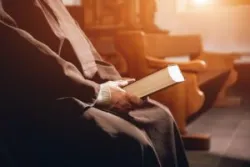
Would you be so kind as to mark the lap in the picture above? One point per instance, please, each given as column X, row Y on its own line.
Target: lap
column 113, row 136
column 62, row 132
column 133, row 123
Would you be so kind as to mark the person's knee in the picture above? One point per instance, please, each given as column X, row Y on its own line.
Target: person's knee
column 116, row 126
column 162, row 111
column 166, row 113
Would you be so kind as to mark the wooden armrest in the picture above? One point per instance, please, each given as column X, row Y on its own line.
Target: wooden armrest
column 209, row 75
column 216, row 60
column 218, row 55
column 192, row 66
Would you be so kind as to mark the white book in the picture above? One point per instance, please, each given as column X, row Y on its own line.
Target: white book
column 159, row 80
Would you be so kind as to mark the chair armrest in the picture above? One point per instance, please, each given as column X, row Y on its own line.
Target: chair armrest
column 222, row 55
column 218, row 61
column 192, row 66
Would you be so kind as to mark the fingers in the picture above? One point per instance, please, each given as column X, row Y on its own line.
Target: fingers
column 127, row 102
column 136, row 101
column 122, row 83
column 122, row 106
column 130, row 80
column 120, row 99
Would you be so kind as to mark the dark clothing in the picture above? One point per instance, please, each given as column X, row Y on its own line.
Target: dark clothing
column 50, row 80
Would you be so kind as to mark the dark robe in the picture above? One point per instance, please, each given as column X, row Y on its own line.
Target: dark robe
column 50, row 75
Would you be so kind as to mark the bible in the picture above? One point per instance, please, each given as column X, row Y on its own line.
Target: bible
column 159, row 80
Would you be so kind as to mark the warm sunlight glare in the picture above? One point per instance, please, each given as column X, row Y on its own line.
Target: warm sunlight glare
column 200, row 2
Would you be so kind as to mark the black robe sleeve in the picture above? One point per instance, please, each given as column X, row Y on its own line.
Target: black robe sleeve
column 31, row 70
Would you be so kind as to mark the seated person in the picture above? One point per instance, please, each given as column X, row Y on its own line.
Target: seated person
column 62, row 105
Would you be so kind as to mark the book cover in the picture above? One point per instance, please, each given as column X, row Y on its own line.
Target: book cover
column 159, row 80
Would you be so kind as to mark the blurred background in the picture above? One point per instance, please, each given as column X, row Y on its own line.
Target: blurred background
column 189, row 33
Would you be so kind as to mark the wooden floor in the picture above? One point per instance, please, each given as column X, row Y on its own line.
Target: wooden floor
column 230, row 142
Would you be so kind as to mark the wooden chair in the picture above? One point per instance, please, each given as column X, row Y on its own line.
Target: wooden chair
column 103, row 19
column 161, row 47
column 242, row 66
column 132, row 45
column 137, row 54
column 146, row 53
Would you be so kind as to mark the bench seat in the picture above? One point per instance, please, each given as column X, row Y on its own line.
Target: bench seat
column 149, row 52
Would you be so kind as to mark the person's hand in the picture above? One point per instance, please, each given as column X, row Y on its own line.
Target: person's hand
column 118, row 98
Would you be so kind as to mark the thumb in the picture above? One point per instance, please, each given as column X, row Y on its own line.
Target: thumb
column 122, row 83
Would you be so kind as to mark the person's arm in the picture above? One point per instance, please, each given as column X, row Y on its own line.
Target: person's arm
column 31, row 69
column 31, row 65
